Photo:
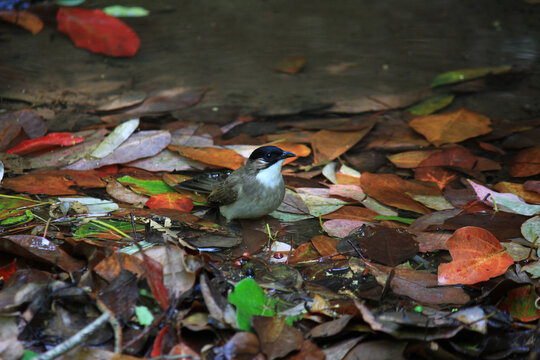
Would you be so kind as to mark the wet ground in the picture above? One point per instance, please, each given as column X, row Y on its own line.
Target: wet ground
column 353, row 48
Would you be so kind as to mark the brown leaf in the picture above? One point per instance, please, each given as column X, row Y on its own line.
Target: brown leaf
column 326, row 246
column 418, row 285
column 452, row 127
column 328, row 145
column 526, row 163
column 40, row 249
column 277, row 338
column 391, row 190
column 388, row 246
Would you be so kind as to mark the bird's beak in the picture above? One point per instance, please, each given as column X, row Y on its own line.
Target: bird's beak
column 287, row 154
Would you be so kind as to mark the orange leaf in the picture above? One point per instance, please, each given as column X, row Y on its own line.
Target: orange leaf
column 328, row 145
column 438, row 175
column 298, row 149
column 526, row 163
column 452, row 127
column 346, row 179
column 409, row 159
column 212, row 156
column 24, row 19
column 326, row 246
column 170, row 201
column 391, row 190
column 477, row 256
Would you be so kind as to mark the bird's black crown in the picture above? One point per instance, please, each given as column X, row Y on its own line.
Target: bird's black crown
column 270, row 154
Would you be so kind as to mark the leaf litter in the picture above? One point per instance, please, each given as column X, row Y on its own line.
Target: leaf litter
column 391, row 254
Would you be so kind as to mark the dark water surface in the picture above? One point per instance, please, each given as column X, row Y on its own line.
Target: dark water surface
column 231, row 46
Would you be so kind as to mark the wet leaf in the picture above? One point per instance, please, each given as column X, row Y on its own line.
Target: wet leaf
column 431, row 105
column 40, row 249
column 375, row 102
column 520, row 303
column 388, row 246
column 98, row 32
column 418, row 285
column 167, row 100
column 452, row 127
column 526, row 163
column 170, row 201
column 467, row 74
column 291, row 65
column 477, row 256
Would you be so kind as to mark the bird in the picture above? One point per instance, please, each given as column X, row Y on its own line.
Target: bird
column 253, row 190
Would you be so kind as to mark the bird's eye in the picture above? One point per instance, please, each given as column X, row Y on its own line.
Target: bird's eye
column 268, row 155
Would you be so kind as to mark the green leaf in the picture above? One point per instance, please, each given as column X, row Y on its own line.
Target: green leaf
column 431, row 105
column 467, row 74
column 69, row 2
column 249, row 299
column 125, row 11
column 27, row 355
column 394, row 218
column 146, row 187
column 530, row 229
column 16, row 220
column 144, row 316
column 92, row 229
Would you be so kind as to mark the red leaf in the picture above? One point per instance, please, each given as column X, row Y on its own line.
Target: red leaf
column 154, row 275
column 8, row 270
column 156, row 349
column 477, row 256
column 98, row 32
column 170, row 201
column 45, row 142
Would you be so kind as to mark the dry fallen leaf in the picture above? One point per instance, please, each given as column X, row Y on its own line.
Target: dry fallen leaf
column 452, row 127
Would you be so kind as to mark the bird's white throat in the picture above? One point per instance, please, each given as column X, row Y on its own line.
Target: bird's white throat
column 270, row 177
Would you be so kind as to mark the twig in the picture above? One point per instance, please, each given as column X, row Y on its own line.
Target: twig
column 76, row 339
column 113, row 321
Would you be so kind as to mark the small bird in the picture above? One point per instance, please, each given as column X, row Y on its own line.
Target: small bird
column 255, row 189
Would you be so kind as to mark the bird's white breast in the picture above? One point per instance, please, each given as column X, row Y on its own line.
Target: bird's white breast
column 271, row 176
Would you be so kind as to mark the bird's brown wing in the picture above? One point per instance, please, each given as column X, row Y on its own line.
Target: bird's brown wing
column 226, row 192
